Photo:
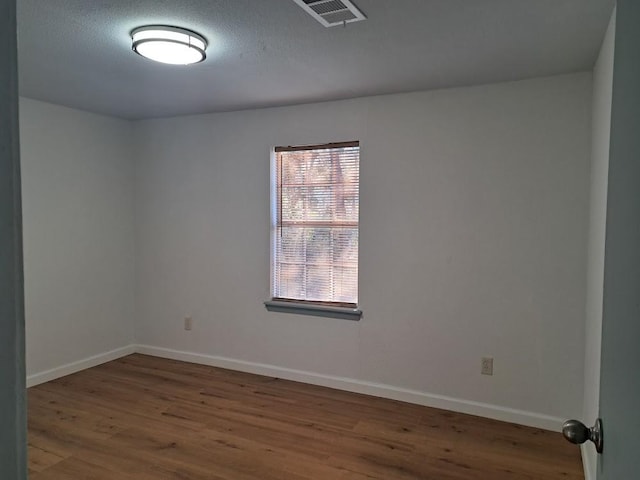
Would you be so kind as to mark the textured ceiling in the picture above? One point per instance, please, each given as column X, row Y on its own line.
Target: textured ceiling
column 270, row 52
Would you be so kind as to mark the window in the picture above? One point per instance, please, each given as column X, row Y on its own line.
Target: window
column 315, row 225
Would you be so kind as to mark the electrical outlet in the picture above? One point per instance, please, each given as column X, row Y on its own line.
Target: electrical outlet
column 188, row 323
column 487, row 366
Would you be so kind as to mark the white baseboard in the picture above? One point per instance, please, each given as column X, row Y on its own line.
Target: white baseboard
column 69, row 368
column 589, row 461
column 495, row 412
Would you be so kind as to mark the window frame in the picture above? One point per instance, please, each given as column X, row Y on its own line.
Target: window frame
column 349, row 311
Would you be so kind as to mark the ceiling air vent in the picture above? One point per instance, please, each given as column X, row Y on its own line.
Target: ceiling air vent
column 332, row 12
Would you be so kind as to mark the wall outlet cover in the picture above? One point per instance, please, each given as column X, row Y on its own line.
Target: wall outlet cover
column 487, row 366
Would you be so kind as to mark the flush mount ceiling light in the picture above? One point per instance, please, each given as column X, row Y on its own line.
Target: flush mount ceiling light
column 172, row 45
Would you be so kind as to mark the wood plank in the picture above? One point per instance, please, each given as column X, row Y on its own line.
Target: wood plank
column 148, row 418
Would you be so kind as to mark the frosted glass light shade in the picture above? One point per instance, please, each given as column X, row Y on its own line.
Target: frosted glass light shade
column 172, row 45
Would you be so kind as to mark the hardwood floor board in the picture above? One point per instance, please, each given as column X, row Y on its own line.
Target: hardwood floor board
column 201, row 458
column 237, row 453
column 266, row 430
column 148, row 418
column 293, row 431
column 57, row 395
column 382, row 467
column 511, row 441
column 67, row 417
column 70, row 439
column 40, row 459
column 114, row 460
column 291, row 415
column 114, row 398
column 336, row 401
column 96, row 455
column 257, row 387
column 77, row 468
column 50, row 444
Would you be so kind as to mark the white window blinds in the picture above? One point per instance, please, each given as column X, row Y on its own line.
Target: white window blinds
column 316, row 227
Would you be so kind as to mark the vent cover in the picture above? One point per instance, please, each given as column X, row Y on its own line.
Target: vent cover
column 332, row 12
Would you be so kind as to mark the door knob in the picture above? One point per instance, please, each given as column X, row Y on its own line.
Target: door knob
column 576, row 432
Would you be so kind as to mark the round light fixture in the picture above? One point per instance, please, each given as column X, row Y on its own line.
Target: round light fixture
column 172, row 45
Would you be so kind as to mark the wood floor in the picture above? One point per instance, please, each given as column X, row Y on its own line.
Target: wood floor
column 146, row 418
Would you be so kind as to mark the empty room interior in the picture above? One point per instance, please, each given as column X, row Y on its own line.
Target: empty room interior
column 315, row 239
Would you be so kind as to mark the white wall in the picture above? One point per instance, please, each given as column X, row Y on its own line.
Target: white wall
column 77, row 179
column 601, row 130
column 473, row 240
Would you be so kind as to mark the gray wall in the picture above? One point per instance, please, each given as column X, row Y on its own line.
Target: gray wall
column 12, row 393
column 474, row 220
column 77, row 185
column 473, row 242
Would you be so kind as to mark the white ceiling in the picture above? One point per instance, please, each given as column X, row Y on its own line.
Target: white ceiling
column 270, row 52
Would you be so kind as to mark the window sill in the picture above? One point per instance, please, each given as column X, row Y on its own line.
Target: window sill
column 316, row 310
